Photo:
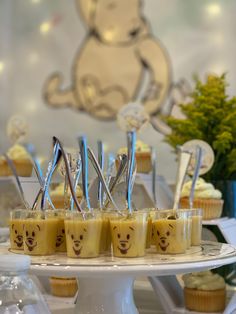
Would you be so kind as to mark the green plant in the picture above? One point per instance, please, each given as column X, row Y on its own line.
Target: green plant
column 211, row 117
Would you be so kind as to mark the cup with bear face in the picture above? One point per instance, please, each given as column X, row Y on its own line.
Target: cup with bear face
column 40, row 232
column 196, row 234
column 129, row 234
column 83, row 234
column 60, row 238
column 105, row 243
column 170, row 231
column 16, row 224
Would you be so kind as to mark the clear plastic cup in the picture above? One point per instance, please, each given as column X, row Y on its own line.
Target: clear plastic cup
column 16, row 223
column 105, row 242
column 196, row 234
column 188, row 226
column 170, row 231
column 60, row 238
column 83, row 234
column 129, row 234
column 40, row 232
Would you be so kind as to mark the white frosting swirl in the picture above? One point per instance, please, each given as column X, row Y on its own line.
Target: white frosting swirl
column 205, row 280
column 202, row 190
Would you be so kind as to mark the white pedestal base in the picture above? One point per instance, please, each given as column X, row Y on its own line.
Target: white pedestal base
column 106, row 296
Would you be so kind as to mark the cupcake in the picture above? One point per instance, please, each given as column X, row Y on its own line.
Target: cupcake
column 204, row 292
column 63, row 287
column 58, row 198
column 143, row 156
column 205, row 197
column 21, row 161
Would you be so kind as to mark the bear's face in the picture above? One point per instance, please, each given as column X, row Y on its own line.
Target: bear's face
column 17, row 234
column 124, row 238
column 31, row 236
column 75, row 239
column 163, row 234
column 118, row 21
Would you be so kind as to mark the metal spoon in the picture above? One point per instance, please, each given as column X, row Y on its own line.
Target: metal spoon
column 153, row 160
column 51, row 168
column 76, row 181
column 67, row 167
column 13, row 169
column 198, row 163
column 101, row 177
column 131, row 140
column 84, row 157
column 36, row 165
column 184, row 159
column 120, row 172
column 101, row 164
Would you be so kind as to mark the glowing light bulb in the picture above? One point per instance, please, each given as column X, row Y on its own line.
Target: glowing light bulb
column 45, row 27
column 2, row 66
column 213, row 9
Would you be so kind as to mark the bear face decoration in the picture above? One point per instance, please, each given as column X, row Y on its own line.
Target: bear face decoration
column 128, row 237
column 111, row 65
column 83, row 237
column 16, row 234
column 170, row 235
column 40, row 236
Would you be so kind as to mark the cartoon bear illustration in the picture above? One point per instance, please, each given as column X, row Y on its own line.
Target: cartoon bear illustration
column 128, row 238
column 109, row 70
column 16, row 234
column 40, row 236
column 83, row 237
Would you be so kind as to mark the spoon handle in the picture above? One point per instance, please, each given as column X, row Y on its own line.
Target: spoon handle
column 84, row 158
column 101, row 164
column 13, row 169
column 198, row 163
column 184, row 159
column 154, row 167
column 101, row 177
column 131, row 141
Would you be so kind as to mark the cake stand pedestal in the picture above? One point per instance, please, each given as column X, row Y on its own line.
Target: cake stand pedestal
column 106, row 282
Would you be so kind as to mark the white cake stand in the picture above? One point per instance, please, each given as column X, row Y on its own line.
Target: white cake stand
column 106, row 282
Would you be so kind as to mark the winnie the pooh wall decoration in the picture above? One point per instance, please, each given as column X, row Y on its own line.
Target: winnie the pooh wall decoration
column 109, row 69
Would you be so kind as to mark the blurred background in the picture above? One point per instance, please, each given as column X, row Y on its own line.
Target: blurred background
column 39, row 37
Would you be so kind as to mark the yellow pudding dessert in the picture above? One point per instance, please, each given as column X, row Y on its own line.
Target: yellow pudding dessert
column 170, row 232
column 205, row 197
column 142, row 155
column 16, row 223
column 129, row 235
column 204, row 292
column 83, row 235
column 61, row 238
column 196, row 234
column 40, row 232
column 63, row 286
column 105, row 243
column 58, row 197
column 20, row 159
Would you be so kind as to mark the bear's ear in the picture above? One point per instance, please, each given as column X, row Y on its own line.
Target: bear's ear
column 87, row 10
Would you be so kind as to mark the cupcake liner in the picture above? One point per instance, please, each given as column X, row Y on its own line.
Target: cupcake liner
column 63, row 287
column 23, row 168
column 205, row 300
column 211, row 208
